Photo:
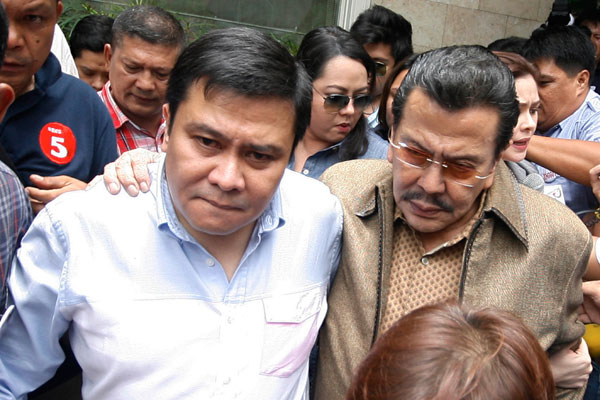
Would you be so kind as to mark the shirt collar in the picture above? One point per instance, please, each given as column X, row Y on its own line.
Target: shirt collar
column 271, row 219
column 119, row 118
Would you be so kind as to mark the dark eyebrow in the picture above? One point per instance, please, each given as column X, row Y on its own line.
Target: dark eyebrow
column 197, row 127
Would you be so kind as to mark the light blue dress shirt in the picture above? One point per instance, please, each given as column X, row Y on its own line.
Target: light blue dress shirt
column 583, row 124
column 316, row 164
column 150, row 313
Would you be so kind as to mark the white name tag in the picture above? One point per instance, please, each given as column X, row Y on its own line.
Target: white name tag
column 555, row 191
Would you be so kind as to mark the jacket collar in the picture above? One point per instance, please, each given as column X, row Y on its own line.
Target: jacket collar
column 503, row 201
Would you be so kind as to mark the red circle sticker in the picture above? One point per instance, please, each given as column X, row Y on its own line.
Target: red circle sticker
column 58, row 142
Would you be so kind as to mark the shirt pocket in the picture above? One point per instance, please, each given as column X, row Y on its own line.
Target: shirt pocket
column 291, row 327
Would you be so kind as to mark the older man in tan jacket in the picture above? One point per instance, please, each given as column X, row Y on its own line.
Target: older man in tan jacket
column 445, row 219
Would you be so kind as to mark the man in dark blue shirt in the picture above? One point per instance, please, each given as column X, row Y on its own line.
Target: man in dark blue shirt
column 57, row 132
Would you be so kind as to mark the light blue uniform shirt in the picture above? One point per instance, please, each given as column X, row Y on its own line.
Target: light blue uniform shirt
column 583, row 124
column 150, row 313
column 316, row 164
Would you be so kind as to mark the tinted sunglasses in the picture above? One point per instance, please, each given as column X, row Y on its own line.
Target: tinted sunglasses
column 415, row 158
column 380, row 68
column 335, row 102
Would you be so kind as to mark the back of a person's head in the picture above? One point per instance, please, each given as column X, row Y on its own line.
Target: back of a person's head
column 568, row 46
column 91, row 33
column 150, row 24
column 381, row 25
column 445, row 352
column 514, row 44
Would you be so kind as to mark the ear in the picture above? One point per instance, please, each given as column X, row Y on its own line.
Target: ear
column 107, row 53
column 390, row 152
column 59, row 8
column 7, row 96
column 166, row 115
column 487, row 183
column 582, row 79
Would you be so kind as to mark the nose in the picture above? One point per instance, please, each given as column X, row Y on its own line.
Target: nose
column 349, row 109
column 145, row 81
column 432, row 179
column 529, row 124
column 227, row 174
column 97, row 83
column 15, row 39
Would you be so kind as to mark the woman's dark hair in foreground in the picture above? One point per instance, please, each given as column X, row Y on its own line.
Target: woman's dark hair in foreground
column 447, row 352
column 245, row 62
column 317, row 48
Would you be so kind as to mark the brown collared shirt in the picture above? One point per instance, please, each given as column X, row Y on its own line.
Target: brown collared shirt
column 419, row 278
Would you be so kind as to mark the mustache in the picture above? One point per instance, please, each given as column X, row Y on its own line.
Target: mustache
column 436, row 201
column 19, row 59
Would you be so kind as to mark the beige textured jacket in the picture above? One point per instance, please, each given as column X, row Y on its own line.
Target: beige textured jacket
column 526, row 254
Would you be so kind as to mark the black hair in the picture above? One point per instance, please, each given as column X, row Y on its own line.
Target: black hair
column 317, row 48
column 91, row 33
column 461, row 77
column 3, row 33
column 245, row 62
column 151, row 24
column 568, row 46
column 383, row 128
column 512, row 44
column 588, row 15
column 381, row 25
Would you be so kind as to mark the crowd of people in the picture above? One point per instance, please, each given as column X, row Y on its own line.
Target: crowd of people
column 354, row 221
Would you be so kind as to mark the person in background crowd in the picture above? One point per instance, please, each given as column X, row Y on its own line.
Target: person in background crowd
column 57, row 132
column 445, row 351
column 15, row 211
column 87, row 42
column 340, row 70
column 565, row 145
column 390, row 88
column 387, row 37
column 146, row 42
column 590, row 19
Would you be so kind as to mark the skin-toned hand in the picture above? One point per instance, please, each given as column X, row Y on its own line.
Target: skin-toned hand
column 130, row 170
column 595, row 180
column 571, row 368
column 589, row 311
column 50, row 187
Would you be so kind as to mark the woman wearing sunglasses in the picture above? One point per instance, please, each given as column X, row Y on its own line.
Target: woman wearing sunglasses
column 342, row 74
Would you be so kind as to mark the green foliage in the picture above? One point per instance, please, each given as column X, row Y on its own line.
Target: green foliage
column 194, row 27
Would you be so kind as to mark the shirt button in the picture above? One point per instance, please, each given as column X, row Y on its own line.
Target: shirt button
column 425, row 261
column 305, row 171
column 210, row 262
column 227, row 381
column 269, row 220
column 229, row 320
